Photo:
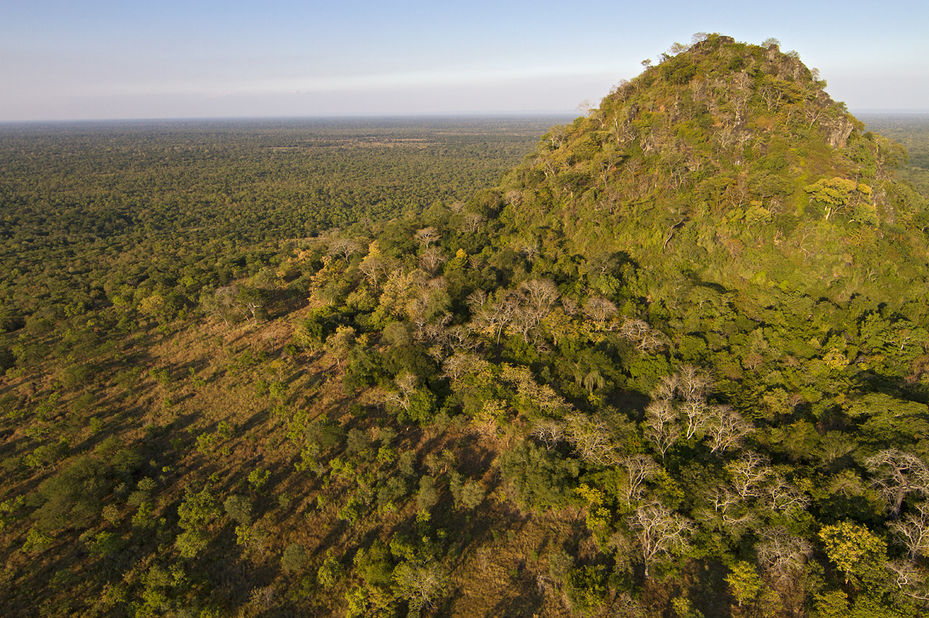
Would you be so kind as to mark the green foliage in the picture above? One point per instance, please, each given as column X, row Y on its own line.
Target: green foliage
column 586, row 587
column 196, row 514
column 330, row 573
column 294, row 557
column 428, row 495
column 239, row 509
column 258, row 478
column 542, row 479
column 744, row 583
column 73, row 497
column 854, row 550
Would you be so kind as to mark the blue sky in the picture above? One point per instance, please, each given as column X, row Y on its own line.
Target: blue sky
column 131, row 59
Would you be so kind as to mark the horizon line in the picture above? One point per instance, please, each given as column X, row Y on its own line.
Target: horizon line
column 373, row 116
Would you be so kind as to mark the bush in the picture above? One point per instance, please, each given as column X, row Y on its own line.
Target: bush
column 239, row 509
column 330, row 573
column 72, row 498
column 294, row 557
column 542, row 479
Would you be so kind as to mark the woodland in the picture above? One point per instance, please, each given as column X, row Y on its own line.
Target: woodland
column 671, row 359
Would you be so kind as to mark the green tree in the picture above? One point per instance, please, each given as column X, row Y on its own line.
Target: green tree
column 853, row 549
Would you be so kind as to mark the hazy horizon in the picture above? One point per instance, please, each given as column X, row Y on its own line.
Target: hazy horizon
column 105, row 60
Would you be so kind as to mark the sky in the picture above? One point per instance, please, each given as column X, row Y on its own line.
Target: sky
column 121, row 59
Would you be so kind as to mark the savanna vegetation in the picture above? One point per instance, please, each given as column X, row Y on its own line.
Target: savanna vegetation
column 675, row 362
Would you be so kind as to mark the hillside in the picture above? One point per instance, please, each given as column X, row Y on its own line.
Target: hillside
column 675, row 363
column 731, row 161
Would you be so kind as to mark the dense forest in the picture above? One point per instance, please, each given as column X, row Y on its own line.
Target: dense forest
column 672, row 359
column 912, row 131
column 90, row 208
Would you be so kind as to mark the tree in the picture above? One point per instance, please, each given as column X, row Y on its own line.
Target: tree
column 375, row 266
column 910, row 579
column 749, row 474
column 783, row 556
column 344, row 247
column 431, row 259
column 73, row 496
column 600, row 311
column 406, row 384
column 853, row 549
column 253, row 302
column 913, row 530
column 294, row 557
column 426, row 236
column 898, row 474
column 639, row 468
column 421, row 583
column 659, row 532
column 428, row 494
column 470, row 495
column 744, row 582
column 782, row 496
column 195, row 514
column 239, row 509
column 591, row 439
column 661, row 425
column 643, row 336
column 725, row 428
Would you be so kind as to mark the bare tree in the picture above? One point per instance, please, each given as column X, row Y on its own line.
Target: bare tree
column 459, row 339
column 639, row 468
column 914, row 531
column 897, row 474
column 731, row 511
column 538, row 298
column 749, row 474
column 493, row 318
column 548, row 432
column 460, row 364
column 406, row 386
column 431, row 259
column 643, row 336
column 421, row 583
column 666, row 388
column 600, row 311
column 374, row 266
column 661, row 425
column 679, row 408
column 476, row 300
column 783, row 556
column 782, row 496
column 725, row 428
column 591, row 439
column 695, row 413
column 692, row 384
column 659, row 532
column 472, row 221
column 910, row 579
column 344, row 248
column 426, row 236
column 513, row 197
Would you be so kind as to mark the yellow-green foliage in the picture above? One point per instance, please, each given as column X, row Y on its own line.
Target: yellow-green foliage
column 853, row 549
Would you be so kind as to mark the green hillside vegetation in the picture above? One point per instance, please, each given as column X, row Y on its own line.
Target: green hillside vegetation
column 676, row 363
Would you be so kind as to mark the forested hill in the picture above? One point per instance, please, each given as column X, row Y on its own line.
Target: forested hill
column 676, row 363
column 732, row 162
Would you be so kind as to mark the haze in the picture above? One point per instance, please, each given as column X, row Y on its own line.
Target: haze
column 108, row 60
